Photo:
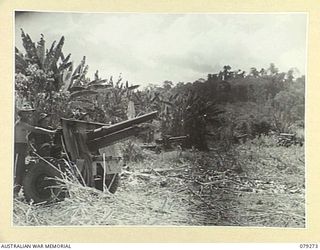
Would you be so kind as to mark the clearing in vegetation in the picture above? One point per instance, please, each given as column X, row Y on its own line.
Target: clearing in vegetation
column 257, row 185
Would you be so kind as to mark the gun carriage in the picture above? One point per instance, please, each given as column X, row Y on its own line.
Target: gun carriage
column 76, row 149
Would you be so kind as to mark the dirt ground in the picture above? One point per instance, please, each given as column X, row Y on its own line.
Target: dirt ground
column 179, row 194
column 252, row 186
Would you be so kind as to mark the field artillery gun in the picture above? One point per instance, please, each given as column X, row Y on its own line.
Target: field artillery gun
column 167, row 142
column 287, row 140
column 76, row 151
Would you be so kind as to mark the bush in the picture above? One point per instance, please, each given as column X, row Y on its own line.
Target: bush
column 131, row 152
column 265, row 141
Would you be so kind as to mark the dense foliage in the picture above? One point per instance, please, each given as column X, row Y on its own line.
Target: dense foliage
column 227, row 106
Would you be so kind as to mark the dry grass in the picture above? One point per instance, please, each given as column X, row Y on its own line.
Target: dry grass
column 263, row 187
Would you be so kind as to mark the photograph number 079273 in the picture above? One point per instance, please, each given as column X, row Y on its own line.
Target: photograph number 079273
column 309, row 246
column 159, row 119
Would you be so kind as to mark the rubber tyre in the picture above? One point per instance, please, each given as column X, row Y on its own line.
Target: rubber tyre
column 112, row 181
column 39, row 189
column 115, row 179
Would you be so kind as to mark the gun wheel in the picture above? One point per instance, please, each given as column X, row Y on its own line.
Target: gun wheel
column 40, row 184
column 112, row 182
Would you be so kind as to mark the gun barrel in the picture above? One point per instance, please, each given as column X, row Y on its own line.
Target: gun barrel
column 106, row 130
column 178, row 138
column 172, row 139
column 111, row 138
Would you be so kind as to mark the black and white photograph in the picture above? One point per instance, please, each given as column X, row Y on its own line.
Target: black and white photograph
column 159, row 119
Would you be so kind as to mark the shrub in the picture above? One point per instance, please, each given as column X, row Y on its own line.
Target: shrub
column 131, row 152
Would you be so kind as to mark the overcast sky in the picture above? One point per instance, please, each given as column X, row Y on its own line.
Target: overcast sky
column 152, row 48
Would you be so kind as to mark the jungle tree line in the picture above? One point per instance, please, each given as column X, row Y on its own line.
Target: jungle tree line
column 271, row 100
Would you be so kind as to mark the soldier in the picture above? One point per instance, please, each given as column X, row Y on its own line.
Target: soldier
column 41, row 142
column 22, row 129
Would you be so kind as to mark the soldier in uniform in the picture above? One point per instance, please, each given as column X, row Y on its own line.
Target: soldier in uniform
column 22, row 129
column 41, row 142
